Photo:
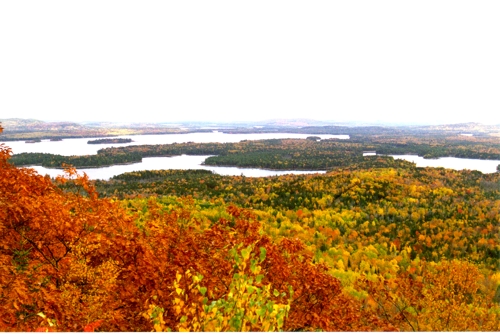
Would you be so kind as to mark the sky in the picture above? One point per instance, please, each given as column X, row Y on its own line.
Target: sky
column 169, row 61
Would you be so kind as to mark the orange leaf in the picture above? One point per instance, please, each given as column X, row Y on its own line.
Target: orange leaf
column 92, row 326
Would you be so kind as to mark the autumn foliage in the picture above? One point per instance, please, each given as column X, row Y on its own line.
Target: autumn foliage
column 73, row 261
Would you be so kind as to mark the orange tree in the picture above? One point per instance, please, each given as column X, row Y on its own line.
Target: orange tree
column 60, row 265
column 446, row 296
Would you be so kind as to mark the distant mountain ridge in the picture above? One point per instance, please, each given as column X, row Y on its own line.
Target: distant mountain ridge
column 14, row 125
column 471, row 127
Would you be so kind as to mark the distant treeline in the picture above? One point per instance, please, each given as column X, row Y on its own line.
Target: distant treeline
column 437, row 151
column 79, row 161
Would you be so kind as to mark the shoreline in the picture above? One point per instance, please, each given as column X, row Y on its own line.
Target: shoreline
column 84, row 167
column 270, row 169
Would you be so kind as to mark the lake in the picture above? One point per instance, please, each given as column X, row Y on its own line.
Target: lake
column 484, row 166
column 79, row 146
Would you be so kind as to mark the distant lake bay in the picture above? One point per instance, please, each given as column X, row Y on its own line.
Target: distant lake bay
column 482, row 165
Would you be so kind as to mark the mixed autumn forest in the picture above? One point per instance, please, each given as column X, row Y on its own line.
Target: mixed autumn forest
column 374, row 244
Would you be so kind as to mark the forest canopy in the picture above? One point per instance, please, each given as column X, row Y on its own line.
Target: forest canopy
column 370, row 246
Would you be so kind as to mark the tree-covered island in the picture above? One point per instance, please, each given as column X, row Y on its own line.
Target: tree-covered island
column 110, row 141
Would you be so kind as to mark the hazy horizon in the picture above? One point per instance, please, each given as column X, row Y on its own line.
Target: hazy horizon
column 384, row 62
column 286, row 121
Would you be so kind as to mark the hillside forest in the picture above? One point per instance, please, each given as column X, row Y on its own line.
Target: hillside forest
column 374, row 244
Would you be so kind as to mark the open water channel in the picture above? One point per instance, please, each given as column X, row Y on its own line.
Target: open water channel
column 79, row 146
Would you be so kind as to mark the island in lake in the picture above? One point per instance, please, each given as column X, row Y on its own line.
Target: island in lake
column 110, row 141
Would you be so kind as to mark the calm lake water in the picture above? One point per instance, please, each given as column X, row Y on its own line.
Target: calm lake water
column 80, row 147
column 484, row 166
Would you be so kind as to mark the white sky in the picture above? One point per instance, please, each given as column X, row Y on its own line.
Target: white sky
column 412, row 61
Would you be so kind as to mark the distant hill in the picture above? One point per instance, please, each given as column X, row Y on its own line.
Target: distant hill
column 33, row 129
column 296, row 122
column 34, row 125
column 471, row 127
column 24, row 129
